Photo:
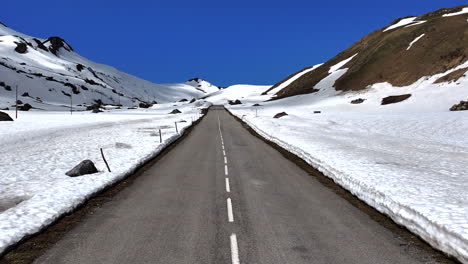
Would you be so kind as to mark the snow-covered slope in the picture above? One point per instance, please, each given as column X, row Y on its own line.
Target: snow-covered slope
column 48, row 72
column 243, row 92
column 202, row 85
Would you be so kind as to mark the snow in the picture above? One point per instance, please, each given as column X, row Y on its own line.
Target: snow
column 414, row 41
column 39, row 147
column 463, row 11
column 202, row 85
column 408, row 160
column 338, row 66
column 411, row 21
column 245, row 93
column 292, row 79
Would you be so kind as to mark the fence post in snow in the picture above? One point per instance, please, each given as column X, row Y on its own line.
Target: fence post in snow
column 16, row 103
column 160, row 136
column 105, row 161
column 176, row 130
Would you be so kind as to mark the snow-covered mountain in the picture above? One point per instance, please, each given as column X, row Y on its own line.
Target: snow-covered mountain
column 202, row 85
column 415, row 63
column 49, row 74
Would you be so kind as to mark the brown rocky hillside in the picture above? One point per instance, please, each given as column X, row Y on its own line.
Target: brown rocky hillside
column 383, row 56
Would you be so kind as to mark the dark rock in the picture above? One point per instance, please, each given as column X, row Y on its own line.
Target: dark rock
column 317, row 112
column 25, row 107
column 75, row 89
column 5, row 117
column 395, row 99
column 279, row 115
column 40, row 45
column 92, row 82
column 25, row 95
column 462, row 106
column 144, row 105
column 175, row 111
column 183, row 100
column 95, row 111
column 21, row 48
column 79, row 67
column 235, row 102
column 85, row 167
column 133, row 107
column 358, row 101
column 257, row 105
column 192, row 101
column 93, row 107
column 56, row 43
column 19, row 102
column 2, row 84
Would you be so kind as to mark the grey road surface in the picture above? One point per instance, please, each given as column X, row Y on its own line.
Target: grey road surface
column 179, row 211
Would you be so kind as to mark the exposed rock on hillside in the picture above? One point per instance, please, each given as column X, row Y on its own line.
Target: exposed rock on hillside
column 383, row 55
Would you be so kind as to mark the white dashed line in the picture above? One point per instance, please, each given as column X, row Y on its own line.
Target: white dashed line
column 229, row 209
column 234, row 250
column 233, row 238
column 228, row 188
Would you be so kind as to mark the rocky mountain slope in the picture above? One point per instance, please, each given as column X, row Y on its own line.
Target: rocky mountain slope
column 426, row 52
column 49, row 74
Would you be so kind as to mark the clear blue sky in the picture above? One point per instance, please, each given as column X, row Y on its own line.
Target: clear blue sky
column 225, row 42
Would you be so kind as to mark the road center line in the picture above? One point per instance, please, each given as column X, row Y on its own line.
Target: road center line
column 226, row 170
column 224, row 153
column 234, row 250
column 229, row 209
column 228, row 188
column 225, row 160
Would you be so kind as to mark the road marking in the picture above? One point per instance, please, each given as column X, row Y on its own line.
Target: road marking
column 225, row 160
column 224, row 153
column 234, row 250
column 226, row 170
column 223, row 147
column 229, row 209
column 228, row 188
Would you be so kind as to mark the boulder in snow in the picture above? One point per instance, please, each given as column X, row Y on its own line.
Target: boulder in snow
column 85, row 167
column 279, row 115
column 175, row 111
column 235, row 102
column 192, row 101
column 21, row 48
column 183, row 100
column 25, row 107
column 5, row 117
column 462, row 106
column 145, row 105
column 358, row 101
column 395, row 99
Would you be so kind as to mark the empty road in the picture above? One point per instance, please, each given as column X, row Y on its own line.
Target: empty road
column 224, row 196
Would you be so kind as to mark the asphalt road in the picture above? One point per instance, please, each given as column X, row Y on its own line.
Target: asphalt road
column 179, row 211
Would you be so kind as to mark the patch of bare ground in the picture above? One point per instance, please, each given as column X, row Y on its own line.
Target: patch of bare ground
column 383, row 56
column 395, row 99
column 453, row 76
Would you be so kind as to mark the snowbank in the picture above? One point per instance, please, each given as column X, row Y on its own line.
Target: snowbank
column 411, row 167
column 39, row 147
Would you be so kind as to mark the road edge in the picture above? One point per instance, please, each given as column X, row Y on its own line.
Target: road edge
column 33, row 246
